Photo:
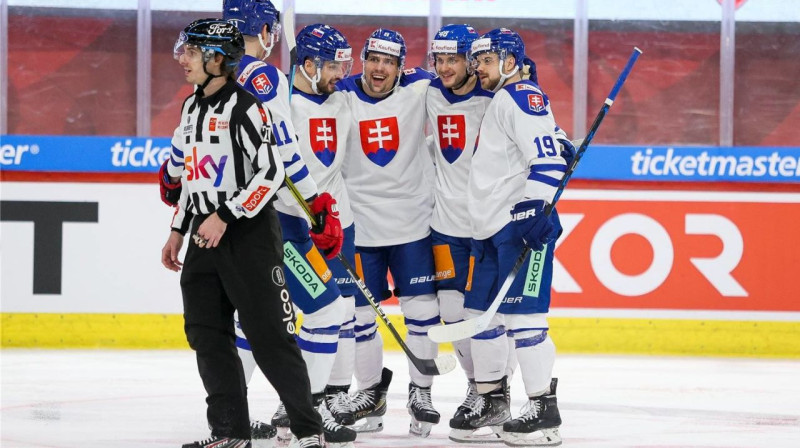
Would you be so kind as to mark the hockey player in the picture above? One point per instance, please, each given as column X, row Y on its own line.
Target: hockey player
column 230, row 170
column 516, row 168
column 311, row 283
column 322, row 121
column 388, row 173
column 455, row 106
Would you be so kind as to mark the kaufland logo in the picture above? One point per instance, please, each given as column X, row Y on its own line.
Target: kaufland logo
column 344, row 54
column 444, row 46
column 126, row 153
column 384, row 46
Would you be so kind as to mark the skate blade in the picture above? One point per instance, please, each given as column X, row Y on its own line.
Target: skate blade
column 420, row 429
column 368, row 424
column 485, row 434
column 542, row 437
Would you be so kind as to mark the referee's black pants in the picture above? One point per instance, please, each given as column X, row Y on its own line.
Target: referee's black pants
column 244, row 272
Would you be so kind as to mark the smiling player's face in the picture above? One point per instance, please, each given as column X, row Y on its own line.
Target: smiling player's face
column 380, row 73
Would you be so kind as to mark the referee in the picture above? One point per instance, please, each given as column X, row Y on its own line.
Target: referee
column 224, row 171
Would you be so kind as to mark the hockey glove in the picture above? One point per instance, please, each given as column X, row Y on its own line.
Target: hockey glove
column 568, row 150
column 532, row 225
column 170, row 193
column 327, row 233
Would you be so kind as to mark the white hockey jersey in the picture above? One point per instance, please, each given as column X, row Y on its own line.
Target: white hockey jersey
column 323, row 124
column 517, row 157
column 387, row 168
column 455, row 121
column 270, row 86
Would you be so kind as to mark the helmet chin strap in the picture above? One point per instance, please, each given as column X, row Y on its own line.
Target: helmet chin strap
column 199, row 92
column 462, row 83
column 503, row 76
column 313, row 81
column 267, row 49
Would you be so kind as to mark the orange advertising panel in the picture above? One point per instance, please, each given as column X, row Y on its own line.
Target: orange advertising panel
column 671, row 250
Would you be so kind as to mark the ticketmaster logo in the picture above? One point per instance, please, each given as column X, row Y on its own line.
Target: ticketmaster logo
column 127, row 154
column 668, row 164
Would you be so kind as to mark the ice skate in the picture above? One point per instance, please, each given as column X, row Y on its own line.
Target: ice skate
column 260, row 430
column 467, row 406
column 335, row 435
column 538, row 424
column 280, row 420
column 369, row 405
column 340, row 404
column 307, row 442
column 219, row 442
column 420, row 408
column 484, row 421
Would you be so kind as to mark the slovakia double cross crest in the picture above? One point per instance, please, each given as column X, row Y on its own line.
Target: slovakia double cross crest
column 380, row 139
column 322, row 133
column 452, row 136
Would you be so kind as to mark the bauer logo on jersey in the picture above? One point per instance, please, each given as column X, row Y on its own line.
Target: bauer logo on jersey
column 379, row 139
column 452, row 136
column 536, row 102
column 262, row 84
column 322, row 136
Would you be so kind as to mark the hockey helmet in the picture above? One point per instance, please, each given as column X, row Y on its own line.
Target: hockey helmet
column 386, row 41
column 212, row 36
column 250, row 16
column 502, row 41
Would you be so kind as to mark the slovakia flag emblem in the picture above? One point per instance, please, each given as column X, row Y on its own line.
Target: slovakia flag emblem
column 262, row 84
column 322, row 136
column 536, row 102
column 452, row 136
column 380, row 139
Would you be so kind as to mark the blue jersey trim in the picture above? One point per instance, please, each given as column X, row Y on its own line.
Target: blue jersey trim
column 452, row 98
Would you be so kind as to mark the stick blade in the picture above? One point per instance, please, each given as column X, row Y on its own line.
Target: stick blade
column 288, row 29
column 453, row 332
column 445, row 364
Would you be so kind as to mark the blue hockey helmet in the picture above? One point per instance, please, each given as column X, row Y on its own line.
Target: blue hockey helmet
column 454, row 39
column 212, row 36
column 502, row 41
column 250, row 16
column 323, row 43
column 320, row 42
column 386, row 41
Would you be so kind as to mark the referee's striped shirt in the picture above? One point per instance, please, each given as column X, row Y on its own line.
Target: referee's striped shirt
column 224, row 151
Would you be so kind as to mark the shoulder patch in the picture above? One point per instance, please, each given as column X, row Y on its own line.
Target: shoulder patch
column 410, row 71
column 529, row 98
column 248, row 70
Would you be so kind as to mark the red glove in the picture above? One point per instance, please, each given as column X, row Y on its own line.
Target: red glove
column 170, row 193
column 327, row 233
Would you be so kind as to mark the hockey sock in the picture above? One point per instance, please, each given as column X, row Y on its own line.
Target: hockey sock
column 421, row 313
column 451, row 308
column 318, row 341
column 344, row 364
column 491, row 348
column 369, row 348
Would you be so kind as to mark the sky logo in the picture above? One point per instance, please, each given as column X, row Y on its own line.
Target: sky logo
column 198, row 169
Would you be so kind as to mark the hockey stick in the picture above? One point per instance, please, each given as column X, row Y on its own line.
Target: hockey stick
column 291, row 43
column 470, row 327
column 437, row 366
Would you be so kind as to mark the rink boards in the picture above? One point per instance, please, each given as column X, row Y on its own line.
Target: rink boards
column 661, row 271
